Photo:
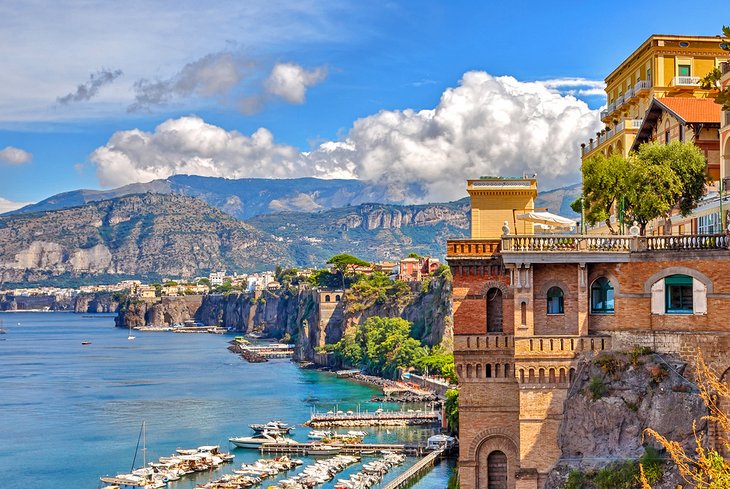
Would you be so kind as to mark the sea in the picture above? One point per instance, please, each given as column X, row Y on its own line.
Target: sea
column 70, row 413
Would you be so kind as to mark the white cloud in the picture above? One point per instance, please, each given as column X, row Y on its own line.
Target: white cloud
column 188, row 145
column 576, row 86
column 9, row 205
column 290, row 81
column 15, row 156
column 485, row 126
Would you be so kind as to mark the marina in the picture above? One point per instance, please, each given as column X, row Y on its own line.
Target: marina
column 378, row 417
column 90, row 400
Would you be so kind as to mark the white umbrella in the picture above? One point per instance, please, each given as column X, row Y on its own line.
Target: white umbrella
column 547, row 218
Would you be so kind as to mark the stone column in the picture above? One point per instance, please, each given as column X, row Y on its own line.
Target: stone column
column 583, row 299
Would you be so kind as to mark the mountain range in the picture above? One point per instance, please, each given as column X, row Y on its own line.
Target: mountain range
column 189, row 225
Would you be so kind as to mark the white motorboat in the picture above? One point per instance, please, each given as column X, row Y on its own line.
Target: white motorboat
column 259, row 439
column 319, row 434
column 321, row 450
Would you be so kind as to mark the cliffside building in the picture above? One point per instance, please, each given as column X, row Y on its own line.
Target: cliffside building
column 527, row 306
column 664, row 66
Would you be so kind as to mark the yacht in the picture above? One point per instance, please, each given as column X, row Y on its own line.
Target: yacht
column 272, row 427
column 260, row 438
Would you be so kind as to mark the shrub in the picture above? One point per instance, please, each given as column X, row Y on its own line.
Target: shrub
column 653, row 465
column 620, row 475
column 637, row 352
column 597, row 388
column 576, row 480
column 609, row 364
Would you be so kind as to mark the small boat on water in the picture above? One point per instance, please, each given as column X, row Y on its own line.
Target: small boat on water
column 86, row 342
column 319, row 434
column 272, row 427
column 261, row 438
column 322, row 450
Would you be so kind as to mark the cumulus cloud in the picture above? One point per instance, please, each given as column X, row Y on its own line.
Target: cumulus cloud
column 212, row 75
column 291, row 81
column 485, row 126
column 15, row 156
column 86, row 91
column 188, row 145
column 9, row 205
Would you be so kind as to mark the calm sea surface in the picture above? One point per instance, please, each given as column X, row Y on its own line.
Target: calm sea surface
column 71, row 413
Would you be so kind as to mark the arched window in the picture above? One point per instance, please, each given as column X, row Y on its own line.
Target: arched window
column 602, row 296
column 337, row 298
column 327, row 298
column 678, row 298
column 494, row 310
column 555, row 301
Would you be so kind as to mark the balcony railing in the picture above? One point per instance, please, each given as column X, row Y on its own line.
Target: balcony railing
column 604, row 114
column 612, row 244
column 567, row 242
column 642, row 85
column 686, row 81
column 626, row 124
column 466, row 248
column 690, row 242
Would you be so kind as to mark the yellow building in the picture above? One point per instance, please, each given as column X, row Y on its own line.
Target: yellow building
column 496, row 200
column 663, row 66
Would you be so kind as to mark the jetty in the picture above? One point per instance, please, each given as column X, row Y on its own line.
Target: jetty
column 346, row 448
column 376, row 418
column 261, row 353
column 415, row 472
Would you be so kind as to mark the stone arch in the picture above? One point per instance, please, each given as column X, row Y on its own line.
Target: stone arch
column 610, row 276
column 497, row 284
column 666, row 272
column 619, row 147
column 549, row 284
column 478, row 373
column 487, row 442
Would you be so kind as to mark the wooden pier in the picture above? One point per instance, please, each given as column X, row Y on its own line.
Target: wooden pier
column 415, row 472
column 345, row 448
column 377, row 418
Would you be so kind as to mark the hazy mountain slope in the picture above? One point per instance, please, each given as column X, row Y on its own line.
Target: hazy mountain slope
column 149, row 235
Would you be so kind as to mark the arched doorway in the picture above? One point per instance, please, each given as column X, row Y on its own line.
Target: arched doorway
column 494, row 310
column 497, row 470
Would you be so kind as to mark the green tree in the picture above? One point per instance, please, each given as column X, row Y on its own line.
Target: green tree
column 204, row 281
column 344, row 263
column 452, row 409
column 604, row 182
column 712, row 79
column 664, row 177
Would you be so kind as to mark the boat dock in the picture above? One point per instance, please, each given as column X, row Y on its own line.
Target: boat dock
column 261, row 353
column 345, row 448
column 415, row 472
column 377, row 418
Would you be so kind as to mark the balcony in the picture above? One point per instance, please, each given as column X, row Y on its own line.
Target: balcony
column 604, row 115
column 642, row 86
column 472, row 248
column 624, row 125
column 685, row 81
column 572, row 248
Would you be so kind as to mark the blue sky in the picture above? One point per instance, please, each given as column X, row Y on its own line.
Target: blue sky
column 99, row 94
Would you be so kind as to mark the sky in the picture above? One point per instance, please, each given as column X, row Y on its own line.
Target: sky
column 419, row 95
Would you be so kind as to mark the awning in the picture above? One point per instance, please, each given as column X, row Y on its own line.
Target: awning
column 547, row 218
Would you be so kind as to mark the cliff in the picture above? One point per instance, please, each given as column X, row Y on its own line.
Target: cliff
column 296, row 313
column 147, row 236
column 615, row 397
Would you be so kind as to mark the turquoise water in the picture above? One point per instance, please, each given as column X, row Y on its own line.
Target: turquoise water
column 71, row 413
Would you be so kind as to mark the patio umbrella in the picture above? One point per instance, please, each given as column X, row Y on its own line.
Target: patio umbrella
column 547, row 218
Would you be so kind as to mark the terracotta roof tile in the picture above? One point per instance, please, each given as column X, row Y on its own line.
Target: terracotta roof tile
column 692, row 109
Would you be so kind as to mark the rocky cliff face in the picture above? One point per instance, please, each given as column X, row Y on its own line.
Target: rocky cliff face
column 148, row 236
column 102, row 302
column 295, row 313
column 615, row 397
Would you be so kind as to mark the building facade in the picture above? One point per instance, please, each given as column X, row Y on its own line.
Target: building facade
column 527, row 307
column 664, row 66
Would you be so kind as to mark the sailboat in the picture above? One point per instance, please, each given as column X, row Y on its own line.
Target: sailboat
column 145, row 477
column 130, row 337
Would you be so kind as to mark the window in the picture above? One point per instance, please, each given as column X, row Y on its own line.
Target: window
column 678, row 294
column 666, row 137
column 602, row 296
column 684, row 70
column 648, row 74
column 555, row 301
column 709, row 224
column 681, row 132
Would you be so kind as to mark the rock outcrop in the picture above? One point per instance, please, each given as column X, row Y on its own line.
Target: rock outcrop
column 614, row 399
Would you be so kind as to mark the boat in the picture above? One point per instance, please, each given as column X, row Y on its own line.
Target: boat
column 319, row 434
column 356, row 433
column 261, row 438
column 440, row 442
column 86, row 342
column 145, row 476
column 272, row 427
column 130, row 337
column 322, row 450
